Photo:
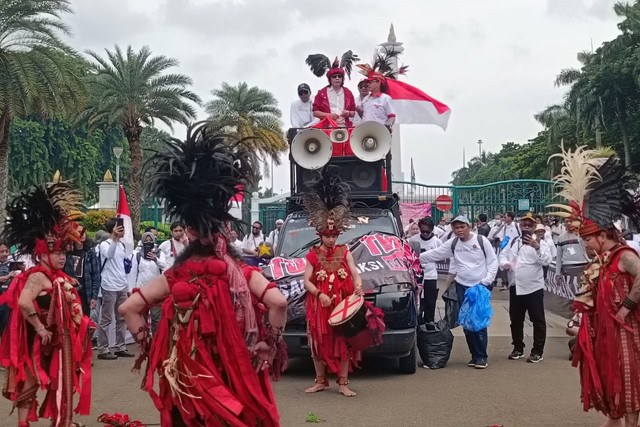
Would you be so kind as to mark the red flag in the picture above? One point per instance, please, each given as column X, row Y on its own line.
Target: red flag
column 414, row 106
column 123, row 212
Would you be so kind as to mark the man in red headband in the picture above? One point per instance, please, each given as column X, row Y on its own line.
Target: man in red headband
column 335, row 100
column 378, row 106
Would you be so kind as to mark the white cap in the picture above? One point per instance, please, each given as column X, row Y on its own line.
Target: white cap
column 279, row 221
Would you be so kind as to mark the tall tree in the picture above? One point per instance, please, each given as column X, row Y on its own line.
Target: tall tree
column 249, row 112
column 133, row 90
column 38, row 72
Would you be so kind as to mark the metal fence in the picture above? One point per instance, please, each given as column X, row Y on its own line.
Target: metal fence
column 517, row 196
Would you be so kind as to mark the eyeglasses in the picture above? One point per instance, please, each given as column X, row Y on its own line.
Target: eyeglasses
column 303, row 92
column 337, row 76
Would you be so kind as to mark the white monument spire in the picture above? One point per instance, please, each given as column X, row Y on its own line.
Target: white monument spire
column 393, row 45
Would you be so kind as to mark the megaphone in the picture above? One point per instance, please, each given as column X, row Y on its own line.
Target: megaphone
column 339, row 136
column 370, row 141
column 311, row 149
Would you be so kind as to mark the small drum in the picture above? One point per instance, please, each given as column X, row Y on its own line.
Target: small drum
column 349, row 316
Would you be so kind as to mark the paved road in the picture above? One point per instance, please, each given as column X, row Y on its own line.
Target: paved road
column 509, row 393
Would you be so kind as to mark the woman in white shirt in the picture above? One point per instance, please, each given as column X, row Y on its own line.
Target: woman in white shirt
column 147, row 267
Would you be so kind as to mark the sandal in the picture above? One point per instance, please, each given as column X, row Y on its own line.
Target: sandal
column 321, row 384
column 343, row 382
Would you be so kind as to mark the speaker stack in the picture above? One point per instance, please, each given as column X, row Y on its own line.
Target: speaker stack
column 370, row 142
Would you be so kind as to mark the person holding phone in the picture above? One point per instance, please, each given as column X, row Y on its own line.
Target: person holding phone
column 115, row 289
column 523, row 259
column 148, row 263
column 176, row 244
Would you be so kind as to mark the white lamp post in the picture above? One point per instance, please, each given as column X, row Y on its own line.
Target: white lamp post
column 118, row 152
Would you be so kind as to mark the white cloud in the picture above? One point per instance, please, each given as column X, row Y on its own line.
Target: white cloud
column 493, row 62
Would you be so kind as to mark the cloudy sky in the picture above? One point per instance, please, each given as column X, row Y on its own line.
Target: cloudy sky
column 492, row 61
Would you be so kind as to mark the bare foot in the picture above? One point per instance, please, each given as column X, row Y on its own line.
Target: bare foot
column 344, row 389
column 316, row 388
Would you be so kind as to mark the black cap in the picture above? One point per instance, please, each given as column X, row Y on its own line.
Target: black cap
column 304, row 86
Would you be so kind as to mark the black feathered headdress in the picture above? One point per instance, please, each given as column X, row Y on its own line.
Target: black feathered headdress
column 328, row 206
column 320, row 64
column 42, row 219
column 198, row 178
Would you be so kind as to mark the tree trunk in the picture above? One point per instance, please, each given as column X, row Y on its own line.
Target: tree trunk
column 598, row 137
column 4, row 165
column 135, row 179
column 622, row 119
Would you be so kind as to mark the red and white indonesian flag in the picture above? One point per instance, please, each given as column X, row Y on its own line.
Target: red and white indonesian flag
column 413, row 106
column 123, row 212
column 236, row 203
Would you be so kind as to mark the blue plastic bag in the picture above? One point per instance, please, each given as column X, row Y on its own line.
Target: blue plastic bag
column 504, row 243
column 475, row 311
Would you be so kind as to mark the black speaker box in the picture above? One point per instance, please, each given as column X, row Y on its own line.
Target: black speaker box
column 362, row 177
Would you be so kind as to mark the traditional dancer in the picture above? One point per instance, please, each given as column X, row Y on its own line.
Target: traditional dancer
column 334, row 101
column 608, row 345
column 212, row 352
column 47, row 342
column 330, row 276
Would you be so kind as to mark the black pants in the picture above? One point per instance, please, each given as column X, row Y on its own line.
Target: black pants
column 518, row 306
column 429, row 299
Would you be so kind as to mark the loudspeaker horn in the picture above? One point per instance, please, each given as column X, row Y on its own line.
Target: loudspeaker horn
column 370, row 141
column 339, row 136
column 311, row 149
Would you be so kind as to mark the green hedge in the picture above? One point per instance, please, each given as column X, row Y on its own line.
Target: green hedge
column 164, row 232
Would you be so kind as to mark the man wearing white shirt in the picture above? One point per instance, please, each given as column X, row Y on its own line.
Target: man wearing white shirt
column 301, row 111
column 173, row 247
column 235, row 242
column 115, row 289
column 378, row 106
column 506, row 229
column 273, row 237
column 363, row 90
column 252, row 240
column 524, row 258
column 441, row 228
column 427, row 241
column 476, row 264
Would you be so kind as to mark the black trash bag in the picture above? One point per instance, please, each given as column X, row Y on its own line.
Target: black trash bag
column 451, row 306
column 435, row 341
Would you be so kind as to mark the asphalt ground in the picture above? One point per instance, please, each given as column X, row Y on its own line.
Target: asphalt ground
column 508, row 393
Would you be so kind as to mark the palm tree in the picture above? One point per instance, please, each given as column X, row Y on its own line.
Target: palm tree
column 132, row 90
column 249, row 112
column 38, row 72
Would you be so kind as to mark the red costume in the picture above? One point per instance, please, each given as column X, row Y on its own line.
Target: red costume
column 608, row 351
column 321, row 102
column 200, row 352
column 64, row 364
column 41, row 222
column 332, row 277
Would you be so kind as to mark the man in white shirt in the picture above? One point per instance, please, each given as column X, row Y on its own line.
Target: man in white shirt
column 441, row 228
column 252, row 240
column 363, row 90
column 273, row 237
column 115, row 290
column 506, row 229
column 524, row 258
column 427, row 241
column 301, row 111
column 378, row 106
column 173, row 247
column 476, row 264
column 233, row 241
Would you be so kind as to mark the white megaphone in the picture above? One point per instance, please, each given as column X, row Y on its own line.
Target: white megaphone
column 311, row 149
column 370, row 141
column 339, row 136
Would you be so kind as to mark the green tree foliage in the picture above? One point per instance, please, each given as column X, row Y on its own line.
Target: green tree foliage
column 600, row 109
column 39, row 73
column 249, row 112
column 133, row 90
column 38, row 150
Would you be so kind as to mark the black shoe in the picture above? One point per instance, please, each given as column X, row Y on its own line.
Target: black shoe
column 124, row 353
column 515, row 355
column 535, row 358
column 107, row 356
column 472, row 363
column 481, row 364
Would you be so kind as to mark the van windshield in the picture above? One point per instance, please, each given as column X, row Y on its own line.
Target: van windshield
column 298, row 236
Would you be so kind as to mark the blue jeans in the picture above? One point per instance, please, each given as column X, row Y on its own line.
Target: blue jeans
column 477, row 341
